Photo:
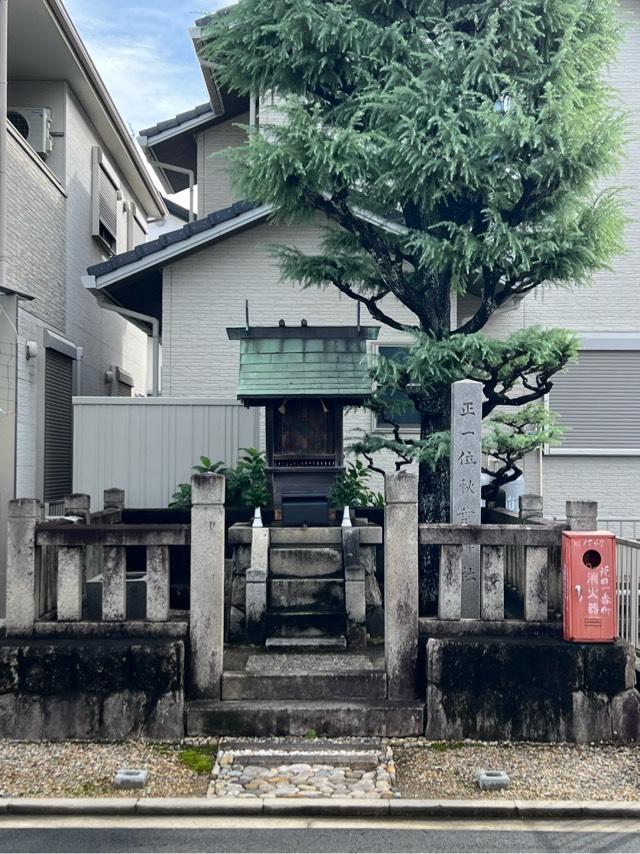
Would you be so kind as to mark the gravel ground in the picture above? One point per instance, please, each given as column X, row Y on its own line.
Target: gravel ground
column 423, row 769
column 87, row 769
column 537, row 771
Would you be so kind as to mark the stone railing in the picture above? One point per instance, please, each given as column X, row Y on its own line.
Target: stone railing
column 51, row 564
column 534, row 541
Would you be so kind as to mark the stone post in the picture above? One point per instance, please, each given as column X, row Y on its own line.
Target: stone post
column 24, row 514
column 79, row 505
column 354, row 588
column 401, row 584
column 256, row 587
column 582, row 515
column 113, row 498
column 531, row 507
column 465, row 472
column 206, row 622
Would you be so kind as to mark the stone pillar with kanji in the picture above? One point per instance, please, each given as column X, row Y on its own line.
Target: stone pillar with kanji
column 465, row 470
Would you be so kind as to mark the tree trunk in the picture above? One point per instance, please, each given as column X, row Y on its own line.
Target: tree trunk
column 433, row 499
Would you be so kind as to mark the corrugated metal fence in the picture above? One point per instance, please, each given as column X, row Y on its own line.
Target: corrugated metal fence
column 147, row 445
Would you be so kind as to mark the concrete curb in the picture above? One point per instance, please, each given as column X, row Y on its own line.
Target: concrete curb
column 328, row 807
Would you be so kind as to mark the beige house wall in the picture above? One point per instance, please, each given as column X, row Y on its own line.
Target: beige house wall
column 214, row 186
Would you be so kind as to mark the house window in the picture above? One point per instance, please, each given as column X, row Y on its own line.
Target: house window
column 136, row 226
column 105, row 193
column 410, row 417
column 598, row 399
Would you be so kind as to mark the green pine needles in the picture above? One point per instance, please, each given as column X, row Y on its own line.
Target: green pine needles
column 449, row 148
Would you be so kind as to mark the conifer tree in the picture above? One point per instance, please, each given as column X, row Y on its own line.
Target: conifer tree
column 451, row 148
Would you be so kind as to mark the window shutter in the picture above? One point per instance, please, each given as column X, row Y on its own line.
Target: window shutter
column 58, row 426
column 598, row 400
column 107, row 203
column 105, row 196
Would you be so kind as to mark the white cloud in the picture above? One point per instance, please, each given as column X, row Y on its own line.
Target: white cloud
column 143, row 52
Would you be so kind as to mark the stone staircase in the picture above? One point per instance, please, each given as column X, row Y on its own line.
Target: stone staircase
column 335, row 694
column 306, row 598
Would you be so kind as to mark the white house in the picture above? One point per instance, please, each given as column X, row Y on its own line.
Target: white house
column 78, row 192
column 195, row 282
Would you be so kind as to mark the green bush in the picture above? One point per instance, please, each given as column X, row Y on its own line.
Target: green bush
column 246, row 484
column 351, row 488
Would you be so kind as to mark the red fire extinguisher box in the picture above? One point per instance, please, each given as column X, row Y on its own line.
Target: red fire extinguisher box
column 589, row 586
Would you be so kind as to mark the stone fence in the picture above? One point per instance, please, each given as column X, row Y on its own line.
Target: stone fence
column 51, row 564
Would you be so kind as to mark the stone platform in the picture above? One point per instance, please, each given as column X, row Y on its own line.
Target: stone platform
column 96, row 688
column 531, row 689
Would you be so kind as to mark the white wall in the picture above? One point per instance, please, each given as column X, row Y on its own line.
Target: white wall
column 105, row 338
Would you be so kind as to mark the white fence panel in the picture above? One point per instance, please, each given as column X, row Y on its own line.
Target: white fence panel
column 148, row 445
column 629, row 591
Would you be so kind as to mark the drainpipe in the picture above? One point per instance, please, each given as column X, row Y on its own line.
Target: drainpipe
column 4, row 167
column 155, row 334
column 182, row 171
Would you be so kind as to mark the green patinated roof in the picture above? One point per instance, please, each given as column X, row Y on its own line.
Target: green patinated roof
column 305, row 361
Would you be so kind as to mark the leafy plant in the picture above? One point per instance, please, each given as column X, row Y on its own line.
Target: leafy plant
column 207, row 466
column 246, row 484
column 181, row 498
column 351, row 488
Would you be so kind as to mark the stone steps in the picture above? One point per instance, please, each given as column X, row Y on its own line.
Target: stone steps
column 305, row 562
column 330, row 718
column 299, row 593
column 362, row 753
column 322, row 642
column 300, row 623
column 356, row 685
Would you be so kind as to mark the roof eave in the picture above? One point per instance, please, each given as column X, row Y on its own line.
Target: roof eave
column 171, row 250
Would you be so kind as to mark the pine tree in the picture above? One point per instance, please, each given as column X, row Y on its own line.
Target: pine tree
column 452, row 148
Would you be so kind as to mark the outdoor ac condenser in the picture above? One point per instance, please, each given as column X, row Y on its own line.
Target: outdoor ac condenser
column 34, row 123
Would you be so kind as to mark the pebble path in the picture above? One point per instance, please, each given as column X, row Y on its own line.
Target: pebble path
column 234, row 775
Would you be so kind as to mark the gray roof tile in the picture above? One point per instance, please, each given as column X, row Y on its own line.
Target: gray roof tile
column 176, row 121
column 171, row 238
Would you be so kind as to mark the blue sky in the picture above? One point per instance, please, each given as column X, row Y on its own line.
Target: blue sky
column 144, row 54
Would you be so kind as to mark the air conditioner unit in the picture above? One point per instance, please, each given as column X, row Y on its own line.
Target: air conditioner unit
column 34, row 123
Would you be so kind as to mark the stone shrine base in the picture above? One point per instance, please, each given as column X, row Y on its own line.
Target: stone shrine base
column 508, row 688
column 91, row 689
column 531, row 689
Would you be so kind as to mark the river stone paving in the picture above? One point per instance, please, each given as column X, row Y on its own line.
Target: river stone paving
column 301, row 768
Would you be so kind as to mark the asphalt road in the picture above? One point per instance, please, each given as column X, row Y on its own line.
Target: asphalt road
column 302, row 839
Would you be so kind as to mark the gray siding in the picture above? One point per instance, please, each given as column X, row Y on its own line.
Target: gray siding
column 147, row 446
